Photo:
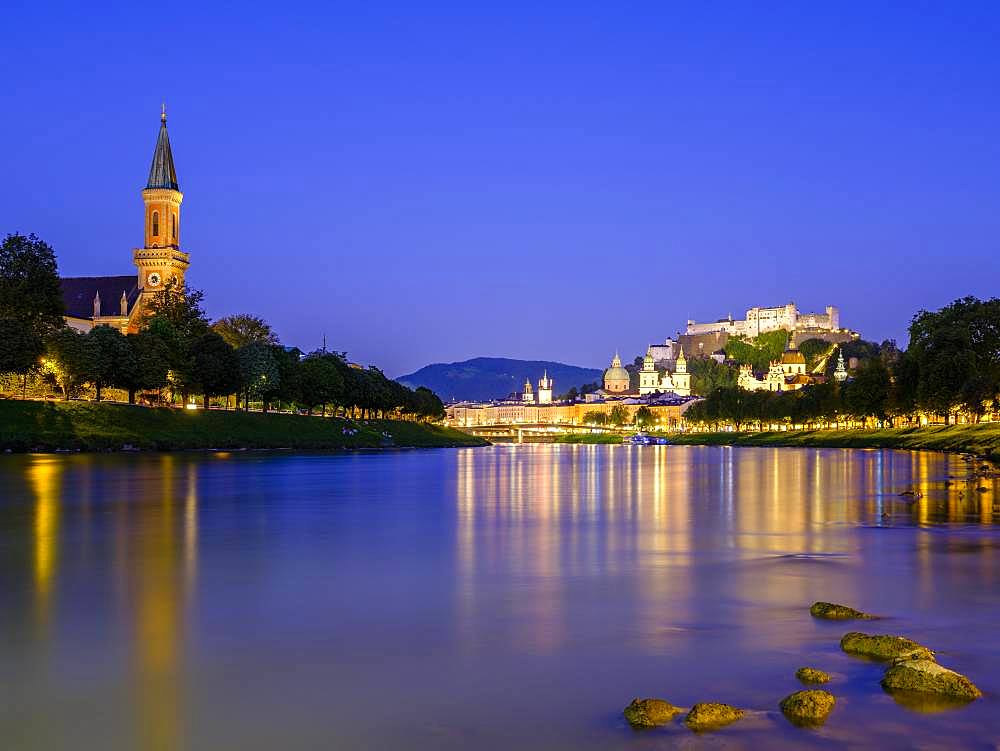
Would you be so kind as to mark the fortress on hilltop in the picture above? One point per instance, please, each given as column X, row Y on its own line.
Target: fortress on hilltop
column 761, row 320
column 705, row 339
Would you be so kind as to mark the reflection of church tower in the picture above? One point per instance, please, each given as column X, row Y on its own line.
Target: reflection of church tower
column 682, row 379
column 545, row 389
column 161, row 259
column 528, row 397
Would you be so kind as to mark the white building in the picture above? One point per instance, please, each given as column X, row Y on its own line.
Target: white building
column 545, row 389
column 528, row 396
column 785, row 374
column 761, row 320
column 651, row 382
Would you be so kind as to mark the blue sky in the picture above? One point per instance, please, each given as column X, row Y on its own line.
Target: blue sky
column 430, row 182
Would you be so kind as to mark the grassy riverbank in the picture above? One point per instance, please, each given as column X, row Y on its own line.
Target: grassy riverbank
column 589, row 438
column 983, row 440
column 48, row 426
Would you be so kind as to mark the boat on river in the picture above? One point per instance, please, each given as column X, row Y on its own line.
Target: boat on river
column 644, row 439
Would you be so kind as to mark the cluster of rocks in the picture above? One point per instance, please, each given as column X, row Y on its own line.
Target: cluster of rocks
column 912, row 669
column 651, row 713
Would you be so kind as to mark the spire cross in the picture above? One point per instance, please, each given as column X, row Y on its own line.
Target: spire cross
column 163, row 112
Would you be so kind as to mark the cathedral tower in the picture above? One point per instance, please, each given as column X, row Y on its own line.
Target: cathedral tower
column 682, row 379
column 649, row 377
column 545, row 389
column 161, row 259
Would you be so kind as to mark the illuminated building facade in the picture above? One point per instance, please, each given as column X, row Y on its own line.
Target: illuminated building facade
column 760, row 320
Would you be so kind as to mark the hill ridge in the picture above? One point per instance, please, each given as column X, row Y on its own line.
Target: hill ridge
column 484, row 378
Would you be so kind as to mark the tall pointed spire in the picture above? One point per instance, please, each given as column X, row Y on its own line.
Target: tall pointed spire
column 161, row 172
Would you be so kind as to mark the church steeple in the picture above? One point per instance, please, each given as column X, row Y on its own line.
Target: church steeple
column 161, row 172
column 160, row 260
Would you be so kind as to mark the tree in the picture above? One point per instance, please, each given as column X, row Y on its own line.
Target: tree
column 242, row 329
column 758, row 352
column 321, row 382
column 618, row 415
column 181, row 308
column 258, row 371
column 905, row 382
column 20, row 349
column 814, row 349
column 707, row 375
column 68, row 360
column 287, row 388
column 144, row 366
column 216, row 367
column 176, row 317
column 868, row 394
column 108, row 355
column 595, row 417
column 30, row 292
column 428, row 404
column 644, row 417
column 957, row 354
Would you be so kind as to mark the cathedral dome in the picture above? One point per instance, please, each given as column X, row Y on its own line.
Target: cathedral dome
column 616, row 378
column 616, row 373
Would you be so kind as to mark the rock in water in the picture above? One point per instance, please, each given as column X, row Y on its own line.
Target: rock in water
column 711, row 716
column 926, row 676
column 884, row 647
column 834, row 612
column 650, row 713
column 812, row 675
column 808, row 707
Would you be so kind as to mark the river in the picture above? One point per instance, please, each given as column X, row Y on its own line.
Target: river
column 512, row 597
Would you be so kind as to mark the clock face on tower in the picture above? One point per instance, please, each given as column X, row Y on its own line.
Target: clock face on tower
column 153, row 280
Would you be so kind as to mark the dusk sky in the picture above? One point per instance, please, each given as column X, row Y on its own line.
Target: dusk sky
column 431, row 182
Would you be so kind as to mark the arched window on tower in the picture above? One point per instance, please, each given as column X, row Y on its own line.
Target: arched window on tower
column 173, row 227
column 156, row 224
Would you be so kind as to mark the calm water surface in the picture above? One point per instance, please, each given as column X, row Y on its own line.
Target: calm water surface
column 510, row 597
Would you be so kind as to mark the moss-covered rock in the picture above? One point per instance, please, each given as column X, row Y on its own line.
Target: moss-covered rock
column 927, row 677
column 809, row 707
column 650, row 713
column 884, row 647
column 812, row 675
column 711, row 716
column 834, row 612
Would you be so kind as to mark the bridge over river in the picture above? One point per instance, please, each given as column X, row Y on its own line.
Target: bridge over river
column 543, row 432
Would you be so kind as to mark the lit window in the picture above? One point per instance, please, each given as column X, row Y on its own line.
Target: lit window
column 156, row 224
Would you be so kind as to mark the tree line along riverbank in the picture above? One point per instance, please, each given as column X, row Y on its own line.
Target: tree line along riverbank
column 982, row 439
column 87, row 426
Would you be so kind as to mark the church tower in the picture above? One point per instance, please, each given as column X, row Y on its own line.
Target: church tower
column 682, row 379
column 545, row 389
column 649, row 378
column 161, row 260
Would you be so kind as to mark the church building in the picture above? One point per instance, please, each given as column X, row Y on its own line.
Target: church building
column 118, row 301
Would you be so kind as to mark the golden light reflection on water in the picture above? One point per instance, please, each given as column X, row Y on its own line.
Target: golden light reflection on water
column 167, row 570
column 44, row 475
column 642, row 514
column 154, row 550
